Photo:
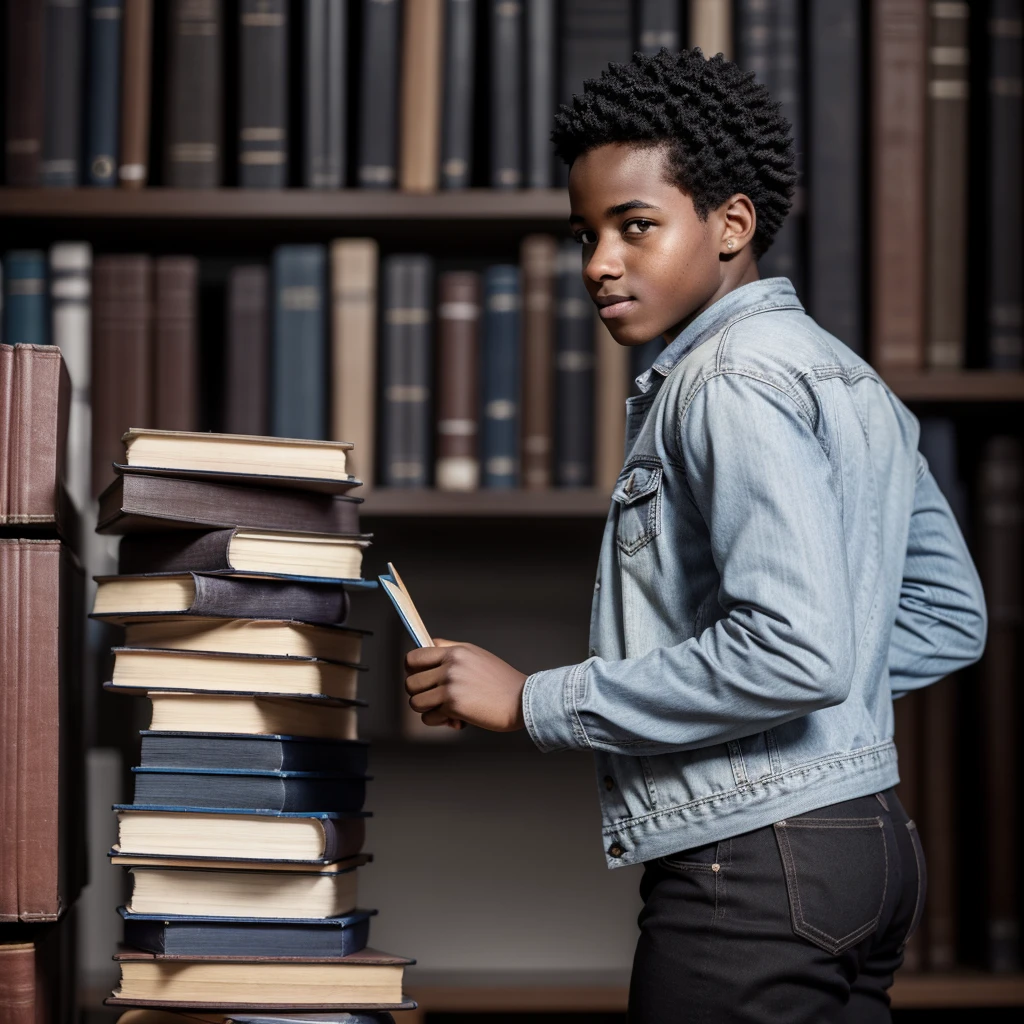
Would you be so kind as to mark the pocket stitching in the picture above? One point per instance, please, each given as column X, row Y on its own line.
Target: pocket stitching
column 915, row 918
column 653, row 497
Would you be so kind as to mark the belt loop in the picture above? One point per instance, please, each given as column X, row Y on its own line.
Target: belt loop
column 882, row 800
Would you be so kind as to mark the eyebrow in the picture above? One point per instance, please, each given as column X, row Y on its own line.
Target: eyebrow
column 614, row 211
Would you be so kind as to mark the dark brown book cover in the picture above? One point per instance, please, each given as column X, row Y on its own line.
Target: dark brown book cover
column 42, row 825
column 898, row 245
column 247, row 358
column 175, row 344
column 537, row 257
column 907, row 713
column 37, row 975
column 24, row 101
column 122, row 357
column 458, row 382
column 136, row 72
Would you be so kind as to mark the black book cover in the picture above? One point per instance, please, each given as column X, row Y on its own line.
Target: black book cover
column 506, row 94
column 378, row 95
column 658, row 26
column 541, row 47
column 457, row 112
column 263, row 94
column 256, row 753
column 325, row 106
column 62, row 88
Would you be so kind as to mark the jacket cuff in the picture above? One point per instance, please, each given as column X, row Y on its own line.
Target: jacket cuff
column 549, row 711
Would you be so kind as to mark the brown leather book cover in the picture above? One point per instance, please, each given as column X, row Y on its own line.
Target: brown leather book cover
column 24, row 106
column 898, row 244
column 37, row 977
column 122, row 357
column 175, row 344
column 18, row 983
column 136, row 69
column 458, row 381
column 42, row 834
column 948, row 83
column 612, row 386
column 247, row 363
column 907, row 712
column 537, row 258
column 422, row 43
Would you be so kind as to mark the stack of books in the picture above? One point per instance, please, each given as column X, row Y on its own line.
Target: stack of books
column 245, row 835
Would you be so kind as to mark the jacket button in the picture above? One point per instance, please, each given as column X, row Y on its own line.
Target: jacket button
column 615, row 850
column 597, row 586
column 609, row 783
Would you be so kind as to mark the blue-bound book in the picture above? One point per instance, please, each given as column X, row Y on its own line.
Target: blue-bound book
column 500, row 375
column 457, row 116
column 299, row 351
column 247, row 936
column 25, row 306
column 102, row 92
column 574, row 374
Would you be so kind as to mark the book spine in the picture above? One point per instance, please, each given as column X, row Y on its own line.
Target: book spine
column 658, row 26
column 247, row 353
column 423, row 36
column 25, row 307
column 612, row 390
column 574, row 374
column 537, row 255
column 354, row 351
column 900, row 33
column 222, row 596
column 1005, row 219
column 263, row 94
column 62, row 89
column 103, row 92
column 23, row 145
column 405, row 374
column 756, row 42
column 325, row 103
column 506, row 94
column 836, row 201
column 501, row 367
column 136, row 63
column 710, row 27
column 457, row 115
column 177, row 551
column 540, row 92
column 17, row 979
column 176, row 343
column 378, row 96
column 70, row 298
column 458, row 383
column 299, row 349
column 192, row 155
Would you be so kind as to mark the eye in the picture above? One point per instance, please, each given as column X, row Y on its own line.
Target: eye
column 641, row 226
column 585, row 237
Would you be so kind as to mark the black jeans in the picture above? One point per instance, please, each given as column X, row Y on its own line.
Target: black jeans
column 803, row 921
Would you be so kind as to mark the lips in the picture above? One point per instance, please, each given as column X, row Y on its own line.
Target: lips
column 612, row 306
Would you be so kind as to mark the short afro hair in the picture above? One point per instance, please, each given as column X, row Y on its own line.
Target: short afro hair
column 723, row 131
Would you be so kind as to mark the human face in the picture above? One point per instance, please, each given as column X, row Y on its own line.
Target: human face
column 650, row 263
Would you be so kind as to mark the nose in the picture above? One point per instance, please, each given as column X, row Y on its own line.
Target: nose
column 605, row 263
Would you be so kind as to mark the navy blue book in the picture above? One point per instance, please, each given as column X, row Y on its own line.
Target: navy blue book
column 457, row 114
column 378, row 95
column 574, row 374
column 247, row 936
column 500, row 376
column 299, row 350
column 24, row 305
column 255, row 753
column 62, row 91
column 102, row 92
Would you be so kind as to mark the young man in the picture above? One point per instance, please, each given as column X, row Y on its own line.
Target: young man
column 777, row 564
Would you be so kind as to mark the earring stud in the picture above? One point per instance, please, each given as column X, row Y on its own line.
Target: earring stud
column 730, row 243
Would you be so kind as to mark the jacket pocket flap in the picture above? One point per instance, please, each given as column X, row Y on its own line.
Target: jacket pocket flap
column 635, row 483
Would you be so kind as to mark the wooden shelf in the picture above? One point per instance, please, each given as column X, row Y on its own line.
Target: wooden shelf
column 428, row 503
column 957, row 385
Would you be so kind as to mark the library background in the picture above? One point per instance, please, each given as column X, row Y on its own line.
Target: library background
column 342, row 220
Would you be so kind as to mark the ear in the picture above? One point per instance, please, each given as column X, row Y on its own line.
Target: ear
column 739, row 222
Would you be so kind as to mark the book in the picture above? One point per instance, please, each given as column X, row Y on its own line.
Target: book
column 215, row 671
column 38, row 973
column 612, row 390
column 63, row 48
column 263, row 94
column 132, row 860
column 369, row 980
column 658, row 26
column 458, row 381
column 122, row 356
column 298, row 406
column 156, row 1016
column 396, row 591
column 541, row 53
column 537, row 257
column 119, row 599
column 102, row 90
column 506, row 72
column 422, row 40
column 136, row 73
column 457, row 93
column 23, row 108
column 377, row 158
column 710, row 27
column 176, row 343
column 242, row 836
column 248, row 936
column 898, row 210
column 247, row 352
column 247, row 788
column 26, row 315
column 574, row 374
column 354, row 351
column 193, row 142
column 146, row 501
column 254, row 753
column 325, row 102
column 310, row 555
column 42, row 826
column 500, row 375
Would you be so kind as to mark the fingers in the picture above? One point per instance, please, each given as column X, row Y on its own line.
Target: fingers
column 439, row 717
column 429, row 699
column 423, row 681
column 438, row 642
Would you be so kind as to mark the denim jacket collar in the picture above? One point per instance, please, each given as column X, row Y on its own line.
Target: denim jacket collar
column 767, row 293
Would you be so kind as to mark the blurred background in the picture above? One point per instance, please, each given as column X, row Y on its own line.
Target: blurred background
column 293, row 216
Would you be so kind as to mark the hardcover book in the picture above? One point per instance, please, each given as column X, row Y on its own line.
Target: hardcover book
column 103, row 83
column 176, row 343
column 64, row 45
column 247, row 352
column 500, row 359
column 378, row 95
column 537, row 256
column 23, row 145
column 136, row 85
column 457, row 99
column 26, row 320
column 325, row 41
column 263, row 94
column 423, row 36
column 506, row 122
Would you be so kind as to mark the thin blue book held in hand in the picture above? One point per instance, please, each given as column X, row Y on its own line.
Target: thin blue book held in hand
column 25, row 306
column 395, row 589
column 500, row 366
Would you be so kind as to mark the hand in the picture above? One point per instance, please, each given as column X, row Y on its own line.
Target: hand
column 456, row 684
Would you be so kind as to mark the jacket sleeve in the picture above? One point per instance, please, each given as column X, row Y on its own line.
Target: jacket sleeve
column 941, row 621
column 786, row 645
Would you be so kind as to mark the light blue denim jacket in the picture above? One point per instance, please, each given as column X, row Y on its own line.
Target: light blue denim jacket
column 777, row 563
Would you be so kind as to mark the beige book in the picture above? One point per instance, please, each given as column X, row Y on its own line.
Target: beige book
column 422, row 45
column 610, row 407
column 127, row 860
column 711, row 26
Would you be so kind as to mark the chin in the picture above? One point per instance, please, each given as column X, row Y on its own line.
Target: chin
column 630, row 334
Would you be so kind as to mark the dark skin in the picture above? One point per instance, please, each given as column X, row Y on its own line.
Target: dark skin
column 651, row 265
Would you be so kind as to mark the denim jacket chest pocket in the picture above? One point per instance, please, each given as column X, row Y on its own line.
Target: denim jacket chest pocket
column 638, row 496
